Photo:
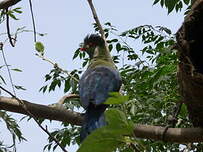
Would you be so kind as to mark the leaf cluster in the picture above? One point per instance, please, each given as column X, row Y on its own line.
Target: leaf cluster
column 150, row 90
column 174, row 5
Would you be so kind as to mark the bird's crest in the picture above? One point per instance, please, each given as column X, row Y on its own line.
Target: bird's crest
column 94, row 39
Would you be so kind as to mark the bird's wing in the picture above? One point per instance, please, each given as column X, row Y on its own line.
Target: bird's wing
column 96, row 83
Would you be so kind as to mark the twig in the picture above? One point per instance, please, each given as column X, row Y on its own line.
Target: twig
column 8, row 30
column 56, row 66
column 94, row 13
column 142, row 62
column 7, row 66
column 66, row 97
column 101, row 31
column 33, row 21
column 35, row 119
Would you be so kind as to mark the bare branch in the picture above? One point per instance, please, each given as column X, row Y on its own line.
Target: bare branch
column 11, row 40
column 94, row 13
column 33, row 21
column 176, row 135
column 41, row 111
column 7, row 3
column 67, row 97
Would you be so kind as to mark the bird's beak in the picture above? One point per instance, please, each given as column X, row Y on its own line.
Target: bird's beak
column 82, row 49
column 85, row 48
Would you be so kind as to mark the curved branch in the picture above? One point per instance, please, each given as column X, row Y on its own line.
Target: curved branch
column 178, row 135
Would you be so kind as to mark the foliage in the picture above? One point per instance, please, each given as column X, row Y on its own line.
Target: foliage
column 110, row 137
column 172, row 5
column 13, row 128
column 116, row 98
column 39, row 48
column 150, row 90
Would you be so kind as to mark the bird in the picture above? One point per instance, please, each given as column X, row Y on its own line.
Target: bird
column 100, row 78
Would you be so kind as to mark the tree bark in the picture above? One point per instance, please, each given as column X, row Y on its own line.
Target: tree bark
column 190, row 74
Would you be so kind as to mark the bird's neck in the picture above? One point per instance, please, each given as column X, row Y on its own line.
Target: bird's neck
column 101, row 53
column 101, row 57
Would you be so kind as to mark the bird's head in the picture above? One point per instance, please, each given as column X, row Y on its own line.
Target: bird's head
column 91, row 45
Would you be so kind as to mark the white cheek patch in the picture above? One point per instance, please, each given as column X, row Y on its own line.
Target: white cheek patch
column 96, row 52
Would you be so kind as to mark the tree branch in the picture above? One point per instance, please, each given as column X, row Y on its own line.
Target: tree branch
column 41, row 111
column 178, row 135
column 7, row 3
column 101, row 30
column 94, row 13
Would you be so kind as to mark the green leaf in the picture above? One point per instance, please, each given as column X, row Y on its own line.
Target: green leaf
column 67, row 86
column 118, row 47
column 116, row 98
column 53, row 85
column 19, row 87
column 112, row 41
column 186, row 1
column 156, row 1
column 162, row 3
column 183, row 111
column 39, row 47
column 76, row 53
column 17, row 70
column 110, row 137
column 110, row 47
column 2, row 79
column 17, row 10
column 11, row 14
column 170, row 4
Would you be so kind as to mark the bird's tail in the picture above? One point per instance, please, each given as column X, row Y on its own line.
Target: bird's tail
column 94, row 118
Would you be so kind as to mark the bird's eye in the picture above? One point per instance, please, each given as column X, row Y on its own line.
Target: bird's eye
column 91, row 44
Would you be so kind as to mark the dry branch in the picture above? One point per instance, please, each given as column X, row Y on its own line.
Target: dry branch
column 178, row 135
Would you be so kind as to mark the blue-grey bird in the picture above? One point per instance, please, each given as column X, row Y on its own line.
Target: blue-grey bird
column 100, row 78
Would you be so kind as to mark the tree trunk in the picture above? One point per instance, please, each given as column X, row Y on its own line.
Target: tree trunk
column 190, row 74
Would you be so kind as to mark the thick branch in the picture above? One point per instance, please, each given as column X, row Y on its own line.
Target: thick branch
column 178, row 135
column 7, row 3
column 41, row 111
